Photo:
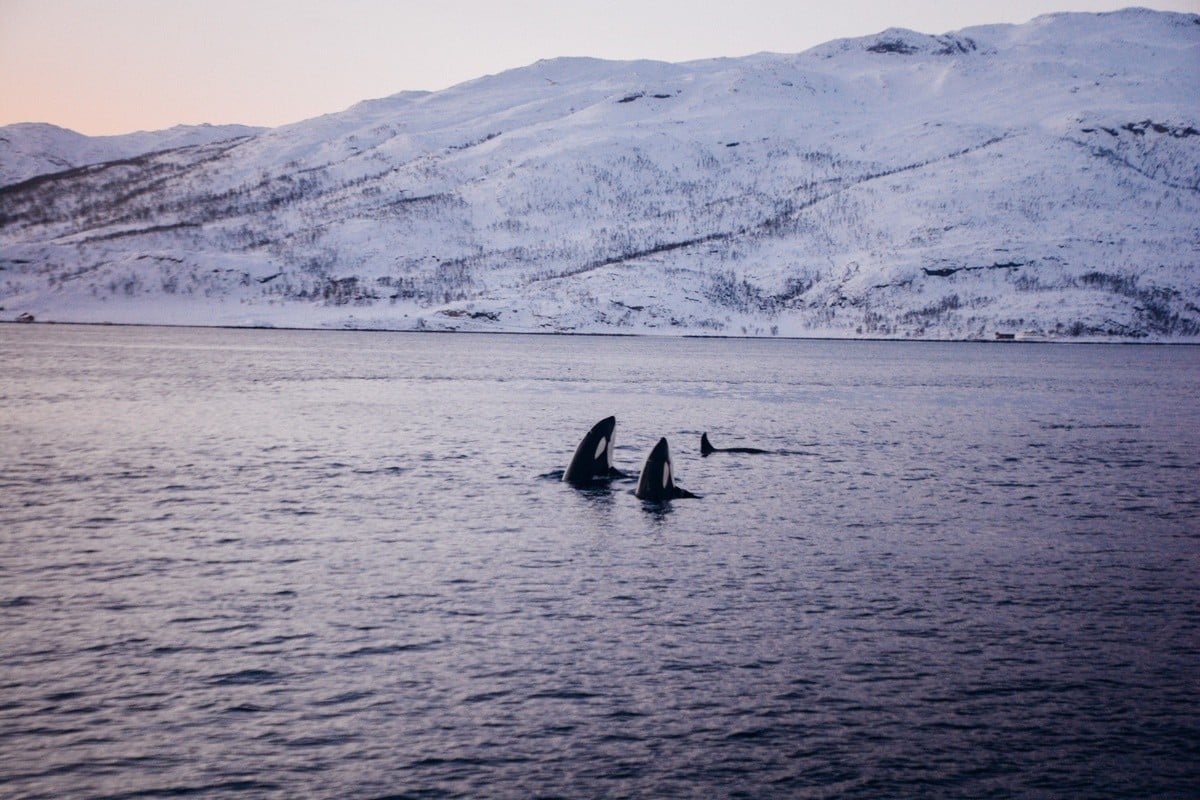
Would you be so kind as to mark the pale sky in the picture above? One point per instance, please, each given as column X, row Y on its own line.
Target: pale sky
column 116, row 66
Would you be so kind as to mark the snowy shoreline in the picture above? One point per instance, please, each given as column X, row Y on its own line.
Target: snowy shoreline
column 1183, row 342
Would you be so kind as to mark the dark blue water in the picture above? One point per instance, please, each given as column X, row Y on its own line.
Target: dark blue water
column 320, row 564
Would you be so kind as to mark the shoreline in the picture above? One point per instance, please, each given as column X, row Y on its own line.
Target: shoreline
column 748, row 337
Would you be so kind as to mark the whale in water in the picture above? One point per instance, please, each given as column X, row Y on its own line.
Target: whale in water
column 593, row 459
column 706, row 448
column 657, row 481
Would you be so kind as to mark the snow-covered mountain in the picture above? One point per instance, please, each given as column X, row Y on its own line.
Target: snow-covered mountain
column 1040, row 179
column 29, row 149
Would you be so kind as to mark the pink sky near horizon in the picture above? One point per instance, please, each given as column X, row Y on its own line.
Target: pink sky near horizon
column 115, row 66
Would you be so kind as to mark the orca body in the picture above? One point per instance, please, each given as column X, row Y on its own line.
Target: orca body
column 657, row 481
column 592, row 461
column 706, row 448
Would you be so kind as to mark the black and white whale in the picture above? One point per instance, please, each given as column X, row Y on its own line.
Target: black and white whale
column 657, row 481
column 706, row 448
column 593, row 459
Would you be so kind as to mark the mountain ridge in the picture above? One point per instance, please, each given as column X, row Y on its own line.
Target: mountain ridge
column 33, row 149
column 1039, row 179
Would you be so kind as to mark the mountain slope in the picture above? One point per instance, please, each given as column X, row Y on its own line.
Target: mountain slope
column 1041, row 179
column 30, row 149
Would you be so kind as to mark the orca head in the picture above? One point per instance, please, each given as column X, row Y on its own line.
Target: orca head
column 657, row 481
column 593, row 459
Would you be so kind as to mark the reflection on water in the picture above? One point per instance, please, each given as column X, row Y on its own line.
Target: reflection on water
column 328, row 564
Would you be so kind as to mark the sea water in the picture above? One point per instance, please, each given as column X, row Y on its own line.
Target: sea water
column 338, row 564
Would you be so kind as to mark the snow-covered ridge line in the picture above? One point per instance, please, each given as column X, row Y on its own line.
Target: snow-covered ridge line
column 30, row 149
column 1038, row 180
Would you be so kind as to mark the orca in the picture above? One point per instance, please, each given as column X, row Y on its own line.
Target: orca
column 592, row 461
column 657, row 481
column 706, row 448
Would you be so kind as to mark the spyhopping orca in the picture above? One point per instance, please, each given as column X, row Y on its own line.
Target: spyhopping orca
column 706, row 448
column 657, row 481
column 593, row 457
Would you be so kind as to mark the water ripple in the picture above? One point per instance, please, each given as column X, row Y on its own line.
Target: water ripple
column 279, row 564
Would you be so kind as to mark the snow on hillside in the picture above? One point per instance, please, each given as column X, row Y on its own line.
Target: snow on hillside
column 30, row 149
column 1041, row 180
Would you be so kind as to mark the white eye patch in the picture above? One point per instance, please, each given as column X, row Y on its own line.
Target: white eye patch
column 601, row 446
column 666, row 474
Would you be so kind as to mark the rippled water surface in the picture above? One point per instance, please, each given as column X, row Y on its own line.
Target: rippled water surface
column 323, row 564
